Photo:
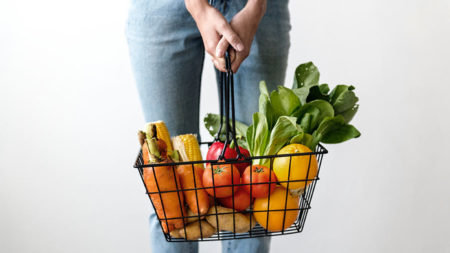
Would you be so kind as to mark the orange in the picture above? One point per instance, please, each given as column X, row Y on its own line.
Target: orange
column 277, row 201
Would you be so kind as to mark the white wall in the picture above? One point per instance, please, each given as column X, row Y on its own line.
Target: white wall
column 69, row 114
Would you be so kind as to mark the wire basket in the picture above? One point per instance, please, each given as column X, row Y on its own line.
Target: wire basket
column 220, row 223
column 254, row 229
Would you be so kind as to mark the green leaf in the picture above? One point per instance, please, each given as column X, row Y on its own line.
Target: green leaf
column 263, row 88
column 309, row 141
column 306, row 119
column 212, row 124
column 306, row 74
column 324, row 89
column 348, row 115
column 265, row 107
column 343, row 98
column 302, row 94
column 284, row 101
column 297, row 138
column 316, row 93
column 313, row 113
column 258, row 134
column 335, row 130
column 283, row 131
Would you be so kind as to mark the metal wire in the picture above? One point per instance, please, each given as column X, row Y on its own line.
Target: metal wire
column 256, row 231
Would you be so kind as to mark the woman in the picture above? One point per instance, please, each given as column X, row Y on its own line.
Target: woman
column 167, row 40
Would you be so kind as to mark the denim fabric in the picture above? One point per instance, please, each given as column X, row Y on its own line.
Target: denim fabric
column 167, row 54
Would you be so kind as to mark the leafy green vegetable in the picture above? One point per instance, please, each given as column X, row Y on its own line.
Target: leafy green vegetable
column 311, row 114
column 212, row 124
column 283, row 131
column 335, row 130
column 318, row 92
column 284, row 101
column 306, row 75
column 307, row 114
column 258, row 134
column 348, row 115
column 344, row 100
column 265, row 107
column 302, row 93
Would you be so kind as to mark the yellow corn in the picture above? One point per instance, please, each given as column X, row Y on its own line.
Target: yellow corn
column 162, row 133
column 187, row 146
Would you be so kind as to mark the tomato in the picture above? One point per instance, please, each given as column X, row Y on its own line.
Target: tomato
column 259, row 174
column 298, row 166
column 230, row 153
column 278, row 201
column 242, row 200
column 222, row 176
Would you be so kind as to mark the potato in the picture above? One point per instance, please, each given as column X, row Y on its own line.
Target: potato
column 193, row 219
column 193, row 231
column 242, row 221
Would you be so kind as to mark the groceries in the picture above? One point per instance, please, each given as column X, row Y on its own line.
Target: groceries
column 261, row 180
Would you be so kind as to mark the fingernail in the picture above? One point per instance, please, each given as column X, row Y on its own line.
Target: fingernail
column 240, row 47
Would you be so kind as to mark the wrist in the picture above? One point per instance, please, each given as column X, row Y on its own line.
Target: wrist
column 196, row 7
column 257, row 8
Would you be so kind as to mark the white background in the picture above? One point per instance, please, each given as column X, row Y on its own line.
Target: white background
column 69, row 112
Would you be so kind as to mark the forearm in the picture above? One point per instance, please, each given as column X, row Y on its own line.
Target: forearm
column 196, row 7
column 257, row 7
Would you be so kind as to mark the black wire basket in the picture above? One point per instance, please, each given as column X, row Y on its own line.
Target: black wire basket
column 221, row 223
column 254, row 229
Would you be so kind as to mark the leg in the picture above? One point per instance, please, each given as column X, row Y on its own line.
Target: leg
column 166, row 53
column 159, row 244
column 267, row 61
column 251, row 245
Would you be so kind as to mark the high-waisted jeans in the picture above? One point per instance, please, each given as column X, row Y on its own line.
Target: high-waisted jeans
column 167, row 54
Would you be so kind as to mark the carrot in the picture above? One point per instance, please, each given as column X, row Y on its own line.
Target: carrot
column 169, row 206
column 189, row 185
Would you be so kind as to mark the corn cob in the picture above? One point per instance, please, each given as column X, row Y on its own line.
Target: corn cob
column 187, row 146
column 162, row 133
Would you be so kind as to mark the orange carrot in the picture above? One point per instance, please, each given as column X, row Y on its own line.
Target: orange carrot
column 189, row 185
column 169, row 206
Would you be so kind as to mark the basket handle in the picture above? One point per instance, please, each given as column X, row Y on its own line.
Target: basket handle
column 226, row 99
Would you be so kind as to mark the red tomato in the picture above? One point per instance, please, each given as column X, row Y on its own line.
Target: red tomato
column 222, row 177
column 242, row 200
column 230, row 153
column 260, row 174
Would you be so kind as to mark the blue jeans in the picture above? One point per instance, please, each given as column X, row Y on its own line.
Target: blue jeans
column 167, row 54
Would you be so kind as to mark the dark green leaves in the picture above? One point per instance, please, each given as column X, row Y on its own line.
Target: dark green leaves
column 344, row 100
column 307, row 114
column 313, row 113
column 335, row 130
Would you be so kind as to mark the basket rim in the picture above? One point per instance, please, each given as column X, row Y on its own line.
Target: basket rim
column 321, row 150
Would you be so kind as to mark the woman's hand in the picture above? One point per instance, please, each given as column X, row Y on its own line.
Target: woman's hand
column 214, row 27
column 244, row 23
